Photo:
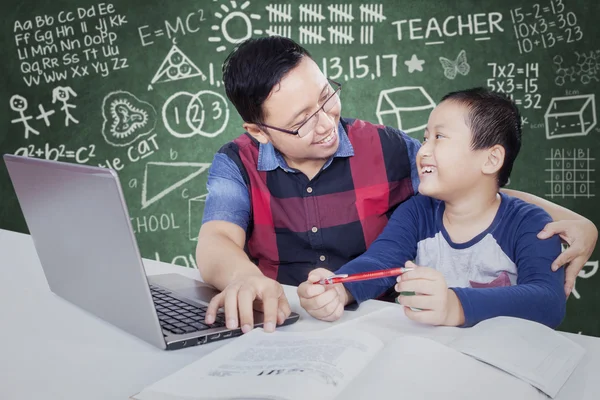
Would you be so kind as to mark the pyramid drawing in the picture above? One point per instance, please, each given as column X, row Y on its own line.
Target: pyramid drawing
column 161, row 178
column 175, row 66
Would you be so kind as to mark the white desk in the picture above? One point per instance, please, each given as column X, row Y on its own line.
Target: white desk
column 53, row 350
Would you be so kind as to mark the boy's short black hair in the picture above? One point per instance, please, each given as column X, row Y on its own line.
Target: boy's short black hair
column 254, row 67
column 493, row 119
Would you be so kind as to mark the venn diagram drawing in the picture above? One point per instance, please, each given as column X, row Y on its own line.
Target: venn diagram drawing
column 127, row 118
column 204, row 113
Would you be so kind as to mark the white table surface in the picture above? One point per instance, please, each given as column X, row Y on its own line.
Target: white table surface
column 53, row 350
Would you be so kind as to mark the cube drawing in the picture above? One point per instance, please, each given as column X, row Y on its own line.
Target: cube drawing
column 406, row 108
column 570, row 116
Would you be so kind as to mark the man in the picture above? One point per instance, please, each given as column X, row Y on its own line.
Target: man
column 304, row 188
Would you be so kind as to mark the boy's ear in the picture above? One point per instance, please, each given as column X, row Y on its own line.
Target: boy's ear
column 494, row 161
column 256, row 132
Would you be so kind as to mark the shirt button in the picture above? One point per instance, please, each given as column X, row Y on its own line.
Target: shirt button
column 314, row 230
column 322, row 258
column 309, row 189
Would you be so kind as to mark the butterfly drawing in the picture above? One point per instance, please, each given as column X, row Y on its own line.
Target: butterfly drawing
column 452, row 67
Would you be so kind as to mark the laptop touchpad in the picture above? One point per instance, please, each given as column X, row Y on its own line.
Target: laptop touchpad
column 187, row 287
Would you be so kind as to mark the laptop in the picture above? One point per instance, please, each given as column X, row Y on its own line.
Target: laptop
column 78, row 220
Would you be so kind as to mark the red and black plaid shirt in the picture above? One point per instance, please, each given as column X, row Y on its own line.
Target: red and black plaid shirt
column 299, row 224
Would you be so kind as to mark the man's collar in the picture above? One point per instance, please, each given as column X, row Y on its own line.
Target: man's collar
column 270, row 158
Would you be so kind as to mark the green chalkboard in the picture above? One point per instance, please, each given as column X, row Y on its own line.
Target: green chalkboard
column 136, row 86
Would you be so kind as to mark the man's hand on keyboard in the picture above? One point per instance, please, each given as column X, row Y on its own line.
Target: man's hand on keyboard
column 241, row 297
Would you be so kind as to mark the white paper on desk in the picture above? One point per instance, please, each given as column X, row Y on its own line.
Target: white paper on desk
column 525, row 349
column 528, row 350
column 390, row 322
column 279, row 365
column 335, row 364
column 416, row 368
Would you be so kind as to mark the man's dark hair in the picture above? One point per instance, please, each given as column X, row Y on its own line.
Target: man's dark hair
column 493, row 119
column 254, row 67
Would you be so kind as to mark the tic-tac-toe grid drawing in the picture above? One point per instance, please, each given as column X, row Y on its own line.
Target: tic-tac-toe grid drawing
column 571, row 173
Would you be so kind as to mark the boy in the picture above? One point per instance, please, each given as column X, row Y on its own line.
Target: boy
column 476, row 251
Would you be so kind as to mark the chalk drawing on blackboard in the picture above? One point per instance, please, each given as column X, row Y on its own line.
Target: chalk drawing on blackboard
column 452, row 67
column 571, row 173
column 236, row 18
column 371, row 13
column 366, row 34
column 162, row 178
column 311, row 13
column 589, row 269
column 414, row 64
column 44, row 114
column 63, row 94
column 205, row 113
column 311, row 34
column 195, row 212
column 340, row 34
column 340, row 13
column 587, row 67
column 561, row 72
column 19, row 104
column 406, row 108
column 279, row 30
column 175, row 66
column 279, row 13
column 570, row 116
column 126, row 118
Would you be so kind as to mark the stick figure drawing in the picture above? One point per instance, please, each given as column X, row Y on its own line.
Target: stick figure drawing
column 63, row 94
column 19, row 104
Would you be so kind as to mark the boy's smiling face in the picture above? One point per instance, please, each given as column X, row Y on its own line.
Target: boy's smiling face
column 447, row 165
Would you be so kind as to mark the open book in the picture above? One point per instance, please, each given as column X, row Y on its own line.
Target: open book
column 525, row 349
column 342, row 363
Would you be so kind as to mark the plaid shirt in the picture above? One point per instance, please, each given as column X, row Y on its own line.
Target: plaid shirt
column 294, row 224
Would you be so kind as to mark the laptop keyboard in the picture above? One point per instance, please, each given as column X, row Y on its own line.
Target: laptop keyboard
column 179, row 317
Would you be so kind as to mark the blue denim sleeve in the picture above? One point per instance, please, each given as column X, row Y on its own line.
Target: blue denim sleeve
column 228, row 198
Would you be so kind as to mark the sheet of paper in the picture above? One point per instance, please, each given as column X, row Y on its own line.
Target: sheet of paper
column 529, row 350
column 420, row 368
column 390, row 322
column 412, row 367
column 280, row 365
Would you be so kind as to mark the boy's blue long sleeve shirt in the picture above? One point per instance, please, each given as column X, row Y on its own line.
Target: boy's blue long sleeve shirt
column 503, row 271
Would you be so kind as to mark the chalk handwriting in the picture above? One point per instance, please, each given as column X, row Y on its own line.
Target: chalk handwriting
column 191, row 23
column 82, row 155
column 435, row 31
column 70, row 44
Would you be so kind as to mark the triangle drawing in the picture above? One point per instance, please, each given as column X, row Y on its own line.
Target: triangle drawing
column 175, row 66
column 162, row 178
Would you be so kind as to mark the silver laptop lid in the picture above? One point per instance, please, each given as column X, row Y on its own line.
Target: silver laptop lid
column 78, row 219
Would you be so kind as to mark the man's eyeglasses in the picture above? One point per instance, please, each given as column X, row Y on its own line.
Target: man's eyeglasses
column 311, row 122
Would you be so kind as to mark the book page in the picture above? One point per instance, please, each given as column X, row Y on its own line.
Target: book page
column 279, row 365
column 526, row 349
column 411, row 367
column 390, row 322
